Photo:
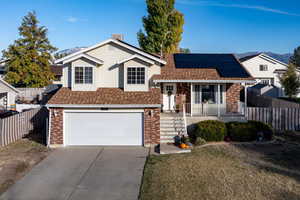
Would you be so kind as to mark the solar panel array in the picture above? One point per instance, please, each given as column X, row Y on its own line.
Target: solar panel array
column 225, row 64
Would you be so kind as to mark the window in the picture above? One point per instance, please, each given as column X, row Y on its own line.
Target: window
column 135, row 75
column 263, row 67
column 197, row 90
column 208, row 94
column 265, row 81
column 83, row 75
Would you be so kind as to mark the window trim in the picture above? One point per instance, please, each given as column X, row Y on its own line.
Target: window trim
column 139, row 79
column 84, row 75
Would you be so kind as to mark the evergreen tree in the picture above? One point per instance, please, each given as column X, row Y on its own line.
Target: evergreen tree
column 163, row 27
column 30, row 56
column 290, row 81
column 184, row 50
column 295, row 59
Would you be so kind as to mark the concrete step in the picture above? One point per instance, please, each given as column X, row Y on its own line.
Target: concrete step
column 167, row 136
column 174, row 133
column 171, row 130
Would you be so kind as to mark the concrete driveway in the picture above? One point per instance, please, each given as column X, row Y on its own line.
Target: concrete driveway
column 83, row 173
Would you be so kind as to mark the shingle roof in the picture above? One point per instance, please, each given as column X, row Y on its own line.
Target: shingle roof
column 173, row 71
column 105, row 96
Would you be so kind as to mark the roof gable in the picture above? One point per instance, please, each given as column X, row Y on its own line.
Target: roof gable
column 118, row 42
column 262, row 56
column 9, row 86
column 83, row 55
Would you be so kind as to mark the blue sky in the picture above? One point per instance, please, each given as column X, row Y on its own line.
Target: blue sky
column 210, row 25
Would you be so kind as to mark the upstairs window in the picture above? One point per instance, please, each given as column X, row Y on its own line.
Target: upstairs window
column 135, row 75
column 83, row 75
column 263, row 67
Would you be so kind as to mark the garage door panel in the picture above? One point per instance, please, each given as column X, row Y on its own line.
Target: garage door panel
column 104, row 128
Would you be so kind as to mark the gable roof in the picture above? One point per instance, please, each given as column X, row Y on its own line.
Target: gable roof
column 136, row 57
column 118, row 42
column 83, row 55
column 189, row 70
column 9, row 85
column 263, row 56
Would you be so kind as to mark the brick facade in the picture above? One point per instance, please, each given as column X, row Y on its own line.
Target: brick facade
column 151, row 126
column 56, row 127
column 233, row 97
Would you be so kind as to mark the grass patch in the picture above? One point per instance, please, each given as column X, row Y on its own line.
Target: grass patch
column 221, row 172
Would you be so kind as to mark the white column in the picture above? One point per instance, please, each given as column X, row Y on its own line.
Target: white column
column 191, row 99
column 218, row 100
column 245, row 111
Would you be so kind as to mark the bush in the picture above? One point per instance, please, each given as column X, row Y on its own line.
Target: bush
column 210, row 130
column 199, row 141
column 244, row 132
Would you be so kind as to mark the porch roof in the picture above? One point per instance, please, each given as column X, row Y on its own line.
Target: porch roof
column 169, row 73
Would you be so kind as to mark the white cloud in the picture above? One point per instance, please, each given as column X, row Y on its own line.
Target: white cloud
column 72, row 19
column 244, row 6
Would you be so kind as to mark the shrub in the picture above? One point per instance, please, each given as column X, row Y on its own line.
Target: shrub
column 210, row 130
column 243, row 132
column 199, row 141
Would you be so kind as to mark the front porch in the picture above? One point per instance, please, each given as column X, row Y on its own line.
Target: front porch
column 204, row 99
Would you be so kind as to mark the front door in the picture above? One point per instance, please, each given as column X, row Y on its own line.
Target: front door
column 169, row 97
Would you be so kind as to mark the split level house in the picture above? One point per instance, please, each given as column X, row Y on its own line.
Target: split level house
column 114, row 93
column 267, row 71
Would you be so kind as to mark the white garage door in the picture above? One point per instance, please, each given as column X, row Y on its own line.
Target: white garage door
column 92, row 128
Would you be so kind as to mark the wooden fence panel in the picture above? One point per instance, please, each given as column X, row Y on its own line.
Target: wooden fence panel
column 17, row 126
column 279, row 118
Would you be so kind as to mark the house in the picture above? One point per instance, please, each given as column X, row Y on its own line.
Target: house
column 115, row 94
column 57, row 70
column 266, row 71
column 8, row 95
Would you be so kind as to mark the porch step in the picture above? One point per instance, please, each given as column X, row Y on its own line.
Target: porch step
column 171, row 126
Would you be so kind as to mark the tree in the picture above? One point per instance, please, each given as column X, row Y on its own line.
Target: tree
column 184, row 50
column 295, row 58
column 60, row 55
column 29, row 56
column 290, row 81
column 163, row 27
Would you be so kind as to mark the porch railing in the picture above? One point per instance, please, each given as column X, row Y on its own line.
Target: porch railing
column 207, row 109
column 184, row 119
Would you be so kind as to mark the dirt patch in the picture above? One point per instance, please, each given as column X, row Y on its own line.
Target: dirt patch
column 17, row 159
column 228, row 172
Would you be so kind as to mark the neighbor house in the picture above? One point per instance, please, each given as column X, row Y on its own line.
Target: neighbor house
column 267, row 72
column 8, row 95
column 115, row 94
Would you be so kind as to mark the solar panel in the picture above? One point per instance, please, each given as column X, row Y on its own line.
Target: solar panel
column 225, row 64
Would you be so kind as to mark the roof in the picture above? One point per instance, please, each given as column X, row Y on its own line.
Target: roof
column 136, row 57
column 104, row 96
column 263, row 56
column 9, row 85
column 243, row 59
column 118, row 42
column 56, row 69
column 189, row 67
column 83, row 55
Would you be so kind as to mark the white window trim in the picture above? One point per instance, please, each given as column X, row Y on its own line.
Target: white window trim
column 132, row 84
column 93, row 78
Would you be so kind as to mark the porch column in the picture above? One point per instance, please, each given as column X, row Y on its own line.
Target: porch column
column 218, row 100
column 245, row 111
column 191, row 99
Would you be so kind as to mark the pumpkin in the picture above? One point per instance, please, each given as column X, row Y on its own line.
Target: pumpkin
column 183, row 146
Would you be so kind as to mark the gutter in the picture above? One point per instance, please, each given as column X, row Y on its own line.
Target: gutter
column 103, row 105
column 204, row 81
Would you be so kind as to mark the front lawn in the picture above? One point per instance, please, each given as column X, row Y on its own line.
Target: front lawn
column 233, row 172
column 17, row 159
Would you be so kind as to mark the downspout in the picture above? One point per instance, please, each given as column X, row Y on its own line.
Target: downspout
column 49, row 127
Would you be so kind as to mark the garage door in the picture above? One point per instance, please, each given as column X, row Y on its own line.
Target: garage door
column 92, row 128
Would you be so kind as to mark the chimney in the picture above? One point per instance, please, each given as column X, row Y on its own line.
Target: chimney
column 117, row 37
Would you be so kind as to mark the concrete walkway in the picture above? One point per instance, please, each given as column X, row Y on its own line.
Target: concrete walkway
column 88, row 173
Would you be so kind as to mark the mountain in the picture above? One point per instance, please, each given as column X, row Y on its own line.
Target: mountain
column 281, row 57
column 66, row 52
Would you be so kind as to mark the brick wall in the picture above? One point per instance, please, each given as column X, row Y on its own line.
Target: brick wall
column 56, row 127
column 183, row 94
column 233, row 97
column 151, row 126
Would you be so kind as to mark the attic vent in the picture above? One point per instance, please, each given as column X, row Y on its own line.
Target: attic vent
column 117, row 37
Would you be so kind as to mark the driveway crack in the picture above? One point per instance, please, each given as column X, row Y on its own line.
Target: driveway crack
column 85, row 173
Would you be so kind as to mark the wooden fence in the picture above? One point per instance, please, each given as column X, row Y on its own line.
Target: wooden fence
column 279, row 118
column 17, row 126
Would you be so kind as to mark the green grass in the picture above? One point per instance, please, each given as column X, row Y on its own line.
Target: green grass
column 222, row 172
